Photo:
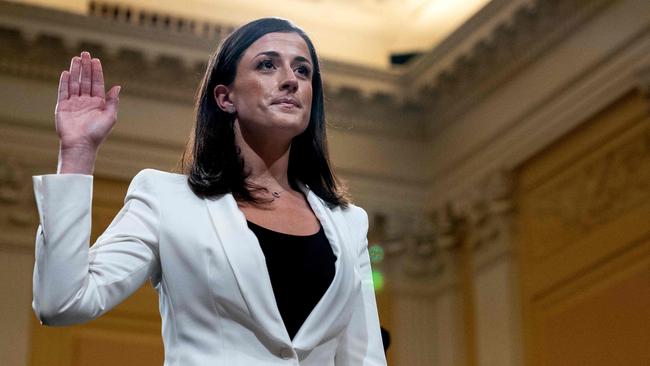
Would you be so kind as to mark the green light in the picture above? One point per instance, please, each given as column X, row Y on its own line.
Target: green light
column 376, row 253
column 377, row 280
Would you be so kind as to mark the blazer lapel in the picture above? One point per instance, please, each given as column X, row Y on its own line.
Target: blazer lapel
column 246, row 259
column 248, row 265
column 333, row 311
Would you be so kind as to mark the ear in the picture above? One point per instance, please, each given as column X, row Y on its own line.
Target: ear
column 222, row 97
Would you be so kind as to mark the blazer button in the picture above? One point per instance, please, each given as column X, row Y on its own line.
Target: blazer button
column 286, row 353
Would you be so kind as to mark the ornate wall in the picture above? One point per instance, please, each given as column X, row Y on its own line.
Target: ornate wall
column 583, row 237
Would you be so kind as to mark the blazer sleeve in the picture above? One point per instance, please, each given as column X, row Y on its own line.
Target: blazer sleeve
column 361, row 344
column 73, row 283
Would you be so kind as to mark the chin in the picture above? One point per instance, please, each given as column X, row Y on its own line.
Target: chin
column 287, row 124
column 291, row 123
column 294, row 129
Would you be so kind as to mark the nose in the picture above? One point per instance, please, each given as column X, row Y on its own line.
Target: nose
column 289, row 81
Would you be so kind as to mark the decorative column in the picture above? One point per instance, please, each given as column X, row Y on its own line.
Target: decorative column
column 496, row 309
column 451, row 273
column 421, row 264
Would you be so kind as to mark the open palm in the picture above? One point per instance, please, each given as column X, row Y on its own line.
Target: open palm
column 84, row 114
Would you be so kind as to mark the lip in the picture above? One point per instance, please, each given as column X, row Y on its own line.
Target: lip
column 287, row 101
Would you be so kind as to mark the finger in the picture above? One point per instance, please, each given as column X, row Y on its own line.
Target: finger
column 97, row 89
column 86, row 74
column 63, row 85
column 75, row 69
column 113, row 99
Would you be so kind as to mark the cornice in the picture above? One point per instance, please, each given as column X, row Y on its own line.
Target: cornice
column 349, row 110
column 37, row 43
column 33, row 19
column 166, row 59
column 428, row 65
column 467, row 67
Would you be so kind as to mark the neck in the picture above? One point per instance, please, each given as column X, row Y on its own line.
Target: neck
column 267, row 159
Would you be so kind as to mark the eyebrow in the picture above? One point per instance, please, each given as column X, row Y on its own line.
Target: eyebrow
column 275, row 54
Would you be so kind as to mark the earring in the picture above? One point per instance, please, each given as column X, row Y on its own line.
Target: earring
column 230, row 109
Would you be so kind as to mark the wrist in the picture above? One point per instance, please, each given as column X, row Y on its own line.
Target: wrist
column 77, row 159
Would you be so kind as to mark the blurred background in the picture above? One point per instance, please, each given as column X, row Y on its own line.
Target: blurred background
column 501, row 149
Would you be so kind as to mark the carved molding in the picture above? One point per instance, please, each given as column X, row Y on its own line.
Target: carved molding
column 15, row 194
column 348, row 109
column 131, row 14
column 166, row 78
column 18, row 216
column 592, row 193
column 492, row 60
column 428, row 246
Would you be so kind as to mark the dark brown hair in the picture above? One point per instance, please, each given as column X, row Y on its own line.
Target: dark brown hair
column 212, row 160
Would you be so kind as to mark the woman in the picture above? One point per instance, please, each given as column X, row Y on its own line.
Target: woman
column 256, row 255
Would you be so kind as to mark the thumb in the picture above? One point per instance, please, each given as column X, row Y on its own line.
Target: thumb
column 113, row 97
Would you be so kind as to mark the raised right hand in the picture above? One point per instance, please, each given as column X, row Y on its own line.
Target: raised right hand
column 84, row 114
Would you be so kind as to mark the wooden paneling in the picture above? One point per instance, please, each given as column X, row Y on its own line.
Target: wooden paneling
column 108, row 348
column 605, row 322
column 584, row 242
column 127, row 335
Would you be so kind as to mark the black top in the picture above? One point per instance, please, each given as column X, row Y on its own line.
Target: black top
column 301, row 269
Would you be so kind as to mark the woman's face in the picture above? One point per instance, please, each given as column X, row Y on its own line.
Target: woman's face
column 272, row 91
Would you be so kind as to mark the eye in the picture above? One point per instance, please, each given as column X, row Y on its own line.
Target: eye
column 265, row 65
column 303, row 70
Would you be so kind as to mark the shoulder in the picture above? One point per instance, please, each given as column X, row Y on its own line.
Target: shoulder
column 357, row 218
column 355, row 213
column 159, row 175
column 153, row 177
column 156, row 182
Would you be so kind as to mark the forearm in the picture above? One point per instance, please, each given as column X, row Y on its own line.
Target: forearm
column 62, row 243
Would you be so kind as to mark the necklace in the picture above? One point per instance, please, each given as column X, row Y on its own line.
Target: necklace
column 276, row 194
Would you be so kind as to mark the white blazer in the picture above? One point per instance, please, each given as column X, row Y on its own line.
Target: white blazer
column 216, row 300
